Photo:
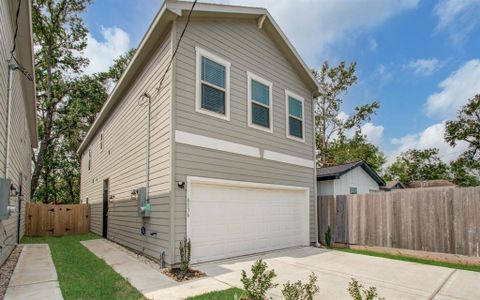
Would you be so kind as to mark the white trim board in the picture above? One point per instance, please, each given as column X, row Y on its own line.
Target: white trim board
column 289, row 159
column 192, row 139
column 215, row 144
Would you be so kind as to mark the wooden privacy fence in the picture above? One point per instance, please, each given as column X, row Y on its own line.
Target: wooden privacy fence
column 56, row 220
column 443, row 220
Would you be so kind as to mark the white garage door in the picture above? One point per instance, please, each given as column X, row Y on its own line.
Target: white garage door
column 230, row 218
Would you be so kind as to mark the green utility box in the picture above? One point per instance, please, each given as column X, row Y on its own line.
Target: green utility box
column 143, row 203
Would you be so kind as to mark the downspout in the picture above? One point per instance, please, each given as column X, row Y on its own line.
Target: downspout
column 9, row 113
column 147, row 175
column 317, row 240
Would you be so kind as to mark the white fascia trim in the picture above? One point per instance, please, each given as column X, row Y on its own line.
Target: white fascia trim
column 245, row 184
column 287, row 114
column 198, row 86
column 215, row 144
column 289, row 159
column 250, row 77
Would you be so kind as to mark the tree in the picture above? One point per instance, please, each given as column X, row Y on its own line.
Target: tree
column 344, row 150
column 466, row 127
column 59, row 36
column 464, row 172
column 334, row 82
column 418, row 165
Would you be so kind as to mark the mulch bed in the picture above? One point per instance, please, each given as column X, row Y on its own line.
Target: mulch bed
column 177, row 275
column 6, row 270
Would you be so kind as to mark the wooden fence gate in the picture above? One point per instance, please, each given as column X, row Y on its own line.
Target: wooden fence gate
column 56, row 220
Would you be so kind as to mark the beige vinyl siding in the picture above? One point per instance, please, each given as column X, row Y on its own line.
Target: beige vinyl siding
column 123, row 160
column 247, row 48
column 20, row 149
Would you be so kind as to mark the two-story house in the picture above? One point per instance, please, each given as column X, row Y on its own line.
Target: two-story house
column 208, row 135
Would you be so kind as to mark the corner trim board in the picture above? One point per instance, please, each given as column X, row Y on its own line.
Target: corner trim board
column 215, row 144
column 289, row 159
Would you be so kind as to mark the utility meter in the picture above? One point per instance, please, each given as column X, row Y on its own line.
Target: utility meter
column 143, row 203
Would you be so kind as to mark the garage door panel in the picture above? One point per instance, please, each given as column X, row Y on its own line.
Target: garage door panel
column 228, row 221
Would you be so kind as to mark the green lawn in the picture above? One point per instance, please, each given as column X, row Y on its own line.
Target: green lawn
column 81, row 274
column 412, row 259
column 230, row 294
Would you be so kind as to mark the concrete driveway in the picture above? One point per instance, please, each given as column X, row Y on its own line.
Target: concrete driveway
column 334, row 269
column 393, row 279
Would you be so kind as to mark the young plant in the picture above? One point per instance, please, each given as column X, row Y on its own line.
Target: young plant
column 357, row 291
column 299, row 291
column 256, row 287
column 328, row 237
column 185, row 249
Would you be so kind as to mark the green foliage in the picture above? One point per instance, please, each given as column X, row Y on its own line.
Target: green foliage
column 345, row 150
column 256, row 287
column 68, row 100
column 335, row 82
column 418, row 165
column 81, row 274
column 300, row 291
column 357, row 291
column 465, row 172
column 185, row 251
column 466, row 128
column 328, row 237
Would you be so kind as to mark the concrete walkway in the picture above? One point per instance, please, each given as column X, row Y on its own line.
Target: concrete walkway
column 334, row 269
column 34, row 276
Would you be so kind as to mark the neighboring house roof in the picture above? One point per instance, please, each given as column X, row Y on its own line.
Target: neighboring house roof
column 334, row 172
column 395, row 184
column 24, row 54
column 169, row 11
column 430, row 183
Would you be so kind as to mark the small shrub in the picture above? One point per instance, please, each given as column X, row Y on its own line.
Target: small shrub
column 299, row 291
column 185, row 251
column 357, row 291
column 328, row 237
column 256, row 287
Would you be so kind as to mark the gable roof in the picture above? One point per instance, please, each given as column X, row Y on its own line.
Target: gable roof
column 171, row 10
column 391, row 184
column 334, row 172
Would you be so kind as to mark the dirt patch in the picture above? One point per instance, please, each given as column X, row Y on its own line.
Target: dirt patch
column 177, row 275
column 6, row 270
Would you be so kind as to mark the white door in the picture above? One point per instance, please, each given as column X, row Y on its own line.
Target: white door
column 229, row 218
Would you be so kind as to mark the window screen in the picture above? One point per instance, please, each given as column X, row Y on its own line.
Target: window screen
column 295, row 117
column 213, row 86
column 260, row 104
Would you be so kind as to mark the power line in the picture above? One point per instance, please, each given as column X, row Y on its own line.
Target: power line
column 177, row 46
column 18, row 66
column 141, row 103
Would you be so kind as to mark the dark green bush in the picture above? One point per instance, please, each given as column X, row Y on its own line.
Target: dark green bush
column 256, row 287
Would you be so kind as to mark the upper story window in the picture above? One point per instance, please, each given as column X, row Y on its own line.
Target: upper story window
column 295, row 116
column 213, row 85
column 89, row 159
column 260, row 113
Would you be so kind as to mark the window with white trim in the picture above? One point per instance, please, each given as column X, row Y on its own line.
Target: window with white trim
column 260, row 113
column 295, row 116
column 213, row 85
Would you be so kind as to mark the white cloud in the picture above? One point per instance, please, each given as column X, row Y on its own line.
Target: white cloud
column 374, row 133
column 457, row 17
column 431, row 137
column 102, row 53
column 424, row 66
column 324, row 22
column 460, row 86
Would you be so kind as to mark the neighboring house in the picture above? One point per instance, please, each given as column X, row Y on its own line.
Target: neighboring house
column 393, row 185
column 223, row 149
column 430, row 183
column 18, row 126
column 351, row 178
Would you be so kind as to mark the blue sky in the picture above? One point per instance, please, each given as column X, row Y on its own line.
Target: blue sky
column 419, row 59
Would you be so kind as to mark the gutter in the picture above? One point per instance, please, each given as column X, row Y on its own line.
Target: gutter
column 9, row 116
